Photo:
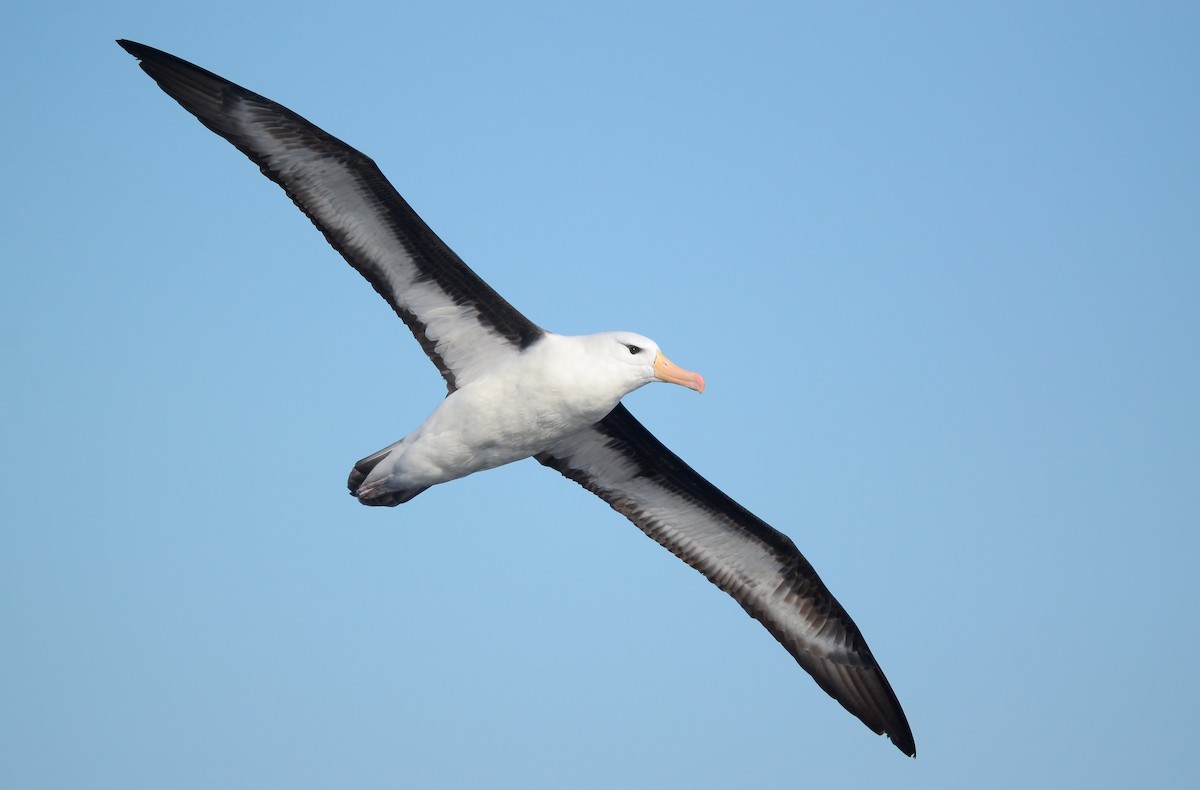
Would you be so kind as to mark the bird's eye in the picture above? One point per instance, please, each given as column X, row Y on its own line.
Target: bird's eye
column 633, row 349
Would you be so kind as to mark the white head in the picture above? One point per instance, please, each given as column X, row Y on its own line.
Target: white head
column 634, row 360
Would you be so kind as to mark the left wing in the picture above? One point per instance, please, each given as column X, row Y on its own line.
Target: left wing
column 625, row 465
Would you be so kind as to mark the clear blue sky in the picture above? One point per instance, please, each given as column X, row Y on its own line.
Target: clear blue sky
column 940, row 266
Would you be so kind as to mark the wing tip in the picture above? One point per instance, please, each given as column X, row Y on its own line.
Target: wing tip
column 889, row 716
column 903, row 740
column 884, row 714
column 139, row 51
column 889, row 721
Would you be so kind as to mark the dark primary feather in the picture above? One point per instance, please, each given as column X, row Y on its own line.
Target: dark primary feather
column 617, row 459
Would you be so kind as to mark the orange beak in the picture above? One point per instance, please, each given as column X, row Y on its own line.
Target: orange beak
column 668, row 371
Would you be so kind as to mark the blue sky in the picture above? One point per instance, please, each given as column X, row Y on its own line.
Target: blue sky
column 939, row 264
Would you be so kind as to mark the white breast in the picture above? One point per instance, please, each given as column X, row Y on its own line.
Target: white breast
column 550, row 391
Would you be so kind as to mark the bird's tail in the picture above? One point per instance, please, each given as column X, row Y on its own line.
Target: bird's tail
column 376, row 493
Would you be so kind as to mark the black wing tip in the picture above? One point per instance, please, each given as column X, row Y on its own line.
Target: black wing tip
column 142, row 51
column 896, row 727
column 891, row 720
column 170, row 71
column 888, row 720
column 883, row 714
column 883, row 717
column 903, row 740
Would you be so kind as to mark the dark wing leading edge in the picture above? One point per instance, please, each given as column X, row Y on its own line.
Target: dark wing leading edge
column 621, row 462
column 464, row 326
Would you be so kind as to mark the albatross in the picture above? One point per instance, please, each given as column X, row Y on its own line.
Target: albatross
column 515, row 390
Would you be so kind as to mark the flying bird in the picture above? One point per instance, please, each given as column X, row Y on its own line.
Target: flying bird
column 516, row 391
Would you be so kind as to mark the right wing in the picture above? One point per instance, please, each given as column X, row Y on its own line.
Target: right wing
column 462, row 324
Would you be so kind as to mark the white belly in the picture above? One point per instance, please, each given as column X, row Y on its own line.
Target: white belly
column 495, row 421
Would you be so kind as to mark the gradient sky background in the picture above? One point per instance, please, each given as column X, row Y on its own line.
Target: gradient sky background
column 940, row 267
